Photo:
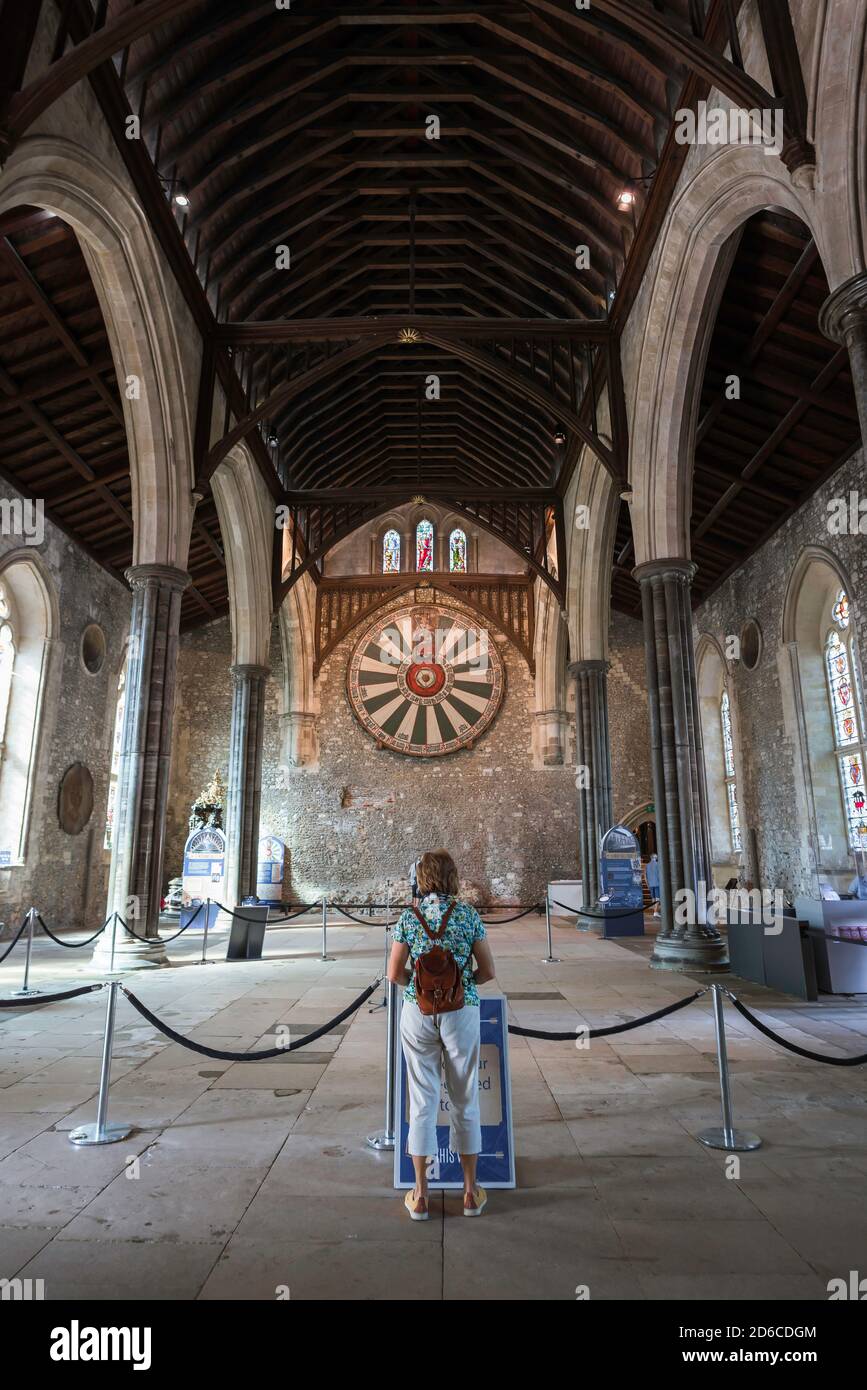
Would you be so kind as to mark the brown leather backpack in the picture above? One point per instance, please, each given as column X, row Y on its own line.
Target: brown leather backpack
column 439, row 985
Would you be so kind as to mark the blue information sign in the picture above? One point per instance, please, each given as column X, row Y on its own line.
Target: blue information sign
column 496, row 1166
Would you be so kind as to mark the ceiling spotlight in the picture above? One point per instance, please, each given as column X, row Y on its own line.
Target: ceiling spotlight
column 559, row 438
column 273, row 440
column 625, row 199
column 182, row 199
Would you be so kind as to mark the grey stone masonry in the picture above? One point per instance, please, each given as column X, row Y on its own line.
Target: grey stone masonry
column 594, row 768
column 843, row 318
column 244, row 791
column 677, row 761
column 135, row 883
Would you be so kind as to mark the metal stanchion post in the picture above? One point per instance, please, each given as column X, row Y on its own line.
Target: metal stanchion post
column 385, row 1139
column 25, row 992
column 204, row 961
column 102, row 1132
column 729, row 1138
column 387, row 931
column 325, row 955
column 550, row 959
column 113, row 942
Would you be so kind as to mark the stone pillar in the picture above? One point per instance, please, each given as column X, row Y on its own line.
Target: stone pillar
column 135, row 880
column 593, row 756
column 843, row 318
column 244, row 791
column 677, row 761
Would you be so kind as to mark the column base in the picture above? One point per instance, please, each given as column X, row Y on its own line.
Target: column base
column 710, row 956
column 129, row 954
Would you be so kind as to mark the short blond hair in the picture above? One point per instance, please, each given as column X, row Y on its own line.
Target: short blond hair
column 437, row 873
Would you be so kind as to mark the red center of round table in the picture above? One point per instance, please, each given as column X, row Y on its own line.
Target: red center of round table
column 425, row 678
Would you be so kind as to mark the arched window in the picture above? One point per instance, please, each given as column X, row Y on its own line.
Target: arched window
column 26, row 619
column 725, row 715
column 115, row 757
column 847, row 715
column 391, row 552
column 424, row 545
column 458, row 551
column 7, row 662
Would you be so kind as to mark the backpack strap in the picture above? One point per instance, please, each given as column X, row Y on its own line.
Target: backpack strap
column 429, row 931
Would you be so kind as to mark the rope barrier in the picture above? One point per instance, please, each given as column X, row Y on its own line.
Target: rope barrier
column 271, row 921
column 597, row 916
column 363, row 921
column 501, row 921
column 260, row 1056
column 608, row 1032
column 164, row 940
column 71, row 945
column 793, row 1047
column 16, row 938
column 49, row 998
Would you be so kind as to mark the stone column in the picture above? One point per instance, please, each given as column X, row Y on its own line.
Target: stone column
column 244, row 791
column 685, row 940
column 843, row 318
column 135, row 880
column 593, row 756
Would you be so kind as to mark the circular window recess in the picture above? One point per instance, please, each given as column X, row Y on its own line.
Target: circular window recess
column 93, row 648
column 751, row 644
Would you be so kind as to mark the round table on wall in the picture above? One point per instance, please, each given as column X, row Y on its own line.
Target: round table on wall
column 425, row 681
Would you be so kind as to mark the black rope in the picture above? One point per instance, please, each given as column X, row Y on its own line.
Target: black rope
column 271, row 921
column 265, row 1053
column 160, row 940
column 501, row 921
column 607, row 1032
column 793, row 1047
column 49, row 998
column 16, row 938
column 598, row 916
column 363, row 921
column 72, row 945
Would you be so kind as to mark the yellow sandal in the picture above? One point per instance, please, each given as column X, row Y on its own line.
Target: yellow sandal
column 480, row 1198
column 413, row 1203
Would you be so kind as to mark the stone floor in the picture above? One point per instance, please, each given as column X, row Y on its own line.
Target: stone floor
column 255, row 1177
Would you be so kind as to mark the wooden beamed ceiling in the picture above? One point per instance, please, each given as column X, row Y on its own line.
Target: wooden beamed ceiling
column 308, row 129
column 760, row 456
column 62, row 429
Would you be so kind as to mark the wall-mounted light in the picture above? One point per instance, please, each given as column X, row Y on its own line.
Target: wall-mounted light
column 559, row 438
column 625, row 200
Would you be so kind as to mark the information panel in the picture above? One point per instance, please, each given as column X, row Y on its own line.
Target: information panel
column 204, row 864
column 496, row 1166
column 269, row 869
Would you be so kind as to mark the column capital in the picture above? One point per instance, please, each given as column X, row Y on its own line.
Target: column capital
column 845, row 309
column 676, row 567
column 166, row 576
column 245, row 671
column 575, row 668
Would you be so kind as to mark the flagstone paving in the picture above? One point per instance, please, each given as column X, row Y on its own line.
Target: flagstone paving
column 253, row 1180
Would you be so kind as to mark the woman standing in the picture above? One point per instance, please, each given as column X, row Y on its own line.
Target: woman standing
column 432, row 955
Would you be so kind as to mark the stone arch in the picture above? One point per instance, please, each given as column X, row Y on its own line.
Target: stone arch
column 729, row 186
column 588, row 578
column 838, row 129
column 246, row 517
column 64, row 178
column 299, row 743
column 550, row 715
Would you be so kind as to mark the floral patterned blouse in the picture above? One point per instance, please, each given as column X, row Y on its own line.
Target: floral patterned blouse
column 464, row 927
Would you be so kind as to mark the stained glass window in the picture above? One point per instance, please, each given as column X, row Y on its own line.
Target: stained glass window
column 424, row 543
column 115, row 758
column 725, row 713
column 847, row 714
column 7, row 660
column 391, row 553
column 458, row 552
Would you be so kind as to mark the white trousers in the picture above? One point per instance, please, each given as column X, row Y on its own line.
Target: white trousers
column 452, row 1041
